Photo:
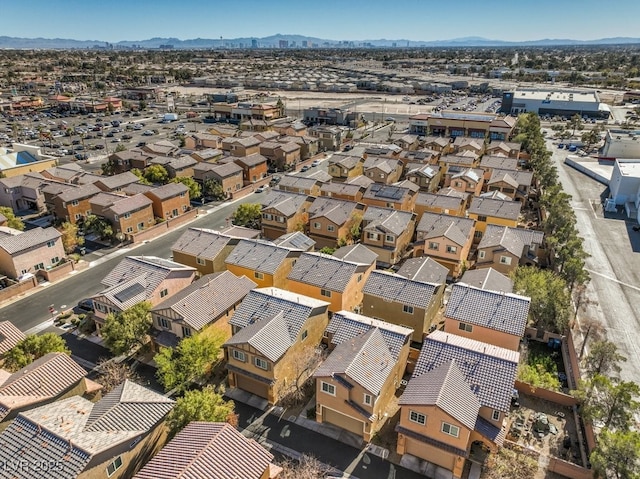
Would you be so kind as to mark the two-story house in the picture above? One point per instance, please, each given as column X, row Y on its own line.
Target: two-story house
column 336, row 280
column 388, row 233
column 208, row 302
column 254, row 167
column 445, row 238
column 284, row 212
column 468, row 180
column 489, row 211
column 116, row 183
column 439, row 204
column 516, row 184
column 343, row 166
column 209, row 155
column 201, row 141
column 488, row 163
column 390, row 196
column 427, row 177
column 127, row 214
column 333, row 221
column 273, row 332
column 504, row 248
column 169, row 201
column 29, row 251
column 382, row 170
column 361, row 374
column 70, row 203
column 228, row 175
column 342, row 191
column 424, row 270
column 241, row 146
column 299, row 184
column 136, row 279
column 402, row 301
column 262, row 262
column 296, row 240
column 438, row 143
column 462, row 144
column 204, row 249
column 479, row 377
column 487, row 278
column 504, row 148
column 494, row 317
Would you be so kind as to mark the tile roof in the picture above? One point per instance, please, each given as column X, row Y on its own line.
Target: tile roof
column 439, row 201
column 386, row 165
column 503, row 162
column 206, row 299
column 208, row 450
column 286, row 203
column 130, row 203
column 118, row 181
column 341, row 188
column 501, row 237
column 336, row 211
column 356, row 253
column 270, row 336
column 425, row 269
column 365, row 359
column 390, row 193
column 169, row 190
column 505, row 312
column 224, row 170
column 461, row 159
column 105, row 199
column 136, row 188
column 202, row 242
column 9, row 336
column 251, row 160
column 491, row 432
column 324, row 271
column 387, row 220
column 496, row 208
column 501, row 176
column 295, row 240
column 240, row 232
column 472, row 174
column 258, row 255
column 298, row 182
column 345, row 161
column 360, row 180
column 487, row 278
column 496, row 195
column 398, row 289
column 444, row 386
column 426, row 171
column 489, row 370
column 455, row 228
column 346, row 325
column 448, row 191
column 32, row 238
column 518, row 177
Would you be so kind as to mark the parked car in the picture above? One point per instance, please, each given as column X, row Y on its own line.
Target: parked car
column 85, row 305
column 305, row 168
column 261, row 189
column 561, row 145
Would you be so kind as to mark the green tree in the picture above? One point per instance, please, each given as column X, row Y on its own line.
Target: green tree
column 201, row 405
column 617, row 453
column 12, row 220
column 195, row 191
column 213, row 189
column 191, row 361
column 70, row 238
column 248, row 214
column 538, row 376
column 99, row 226
column 611, row 402
column 575, row 123
column 141, row 179
column 156, row 174
column 31, row 348
column 126, row 329
column 550, row 301
column 603, row 358
column 327, row 250
column 589, row 138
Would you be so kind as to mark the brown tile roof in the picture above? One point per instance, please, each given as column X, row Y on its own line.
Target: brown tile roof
column 202, row 242
column 118, row 181
column 130, row 203
column 167, row 191
column 28, row 239
column 9, row 336
column 496, row 208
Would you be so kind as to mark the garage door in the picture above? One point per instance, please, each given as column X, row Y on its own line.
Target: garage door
column 430, row 453
column 252, row 386
column 345, row 422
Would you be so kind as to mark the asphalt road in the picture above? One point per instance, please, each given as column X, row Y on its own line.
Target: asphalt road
column 33, row 310
column 614, row 265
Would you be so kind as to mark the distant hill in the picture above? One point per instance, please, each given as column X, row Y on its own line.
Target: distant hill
column 293, row 40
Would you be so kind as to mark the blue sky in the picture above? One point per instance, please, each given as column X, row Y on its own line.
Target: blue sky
column 515, row 20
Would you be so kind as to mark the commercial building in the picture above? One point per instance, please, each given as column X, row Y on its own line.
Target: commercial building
column 548, row 102
column 625, row 186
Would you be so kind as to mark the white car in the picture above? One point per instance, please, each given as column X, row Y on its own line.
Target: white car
column 315, row 163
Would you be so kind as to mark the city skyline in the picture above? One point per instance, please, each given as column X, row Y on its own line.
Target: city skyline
column 357, row 20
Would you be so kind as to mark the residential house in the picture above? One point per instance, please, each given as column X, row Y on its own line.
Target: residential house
column 299, row 184
column 388, row 233
column 64, row 173
column 202, row 141
column 424, row 270
column 438, row 143
column 360, row 180
column 241, row 146
column 487, row 278
column 407, row 142
column 516, row 184
column 161, row 148
column 254, row 167
column 215, row 450
column 494, row 317
column 504, row 148
column 356, row 382
column 474, row 145
column 209, row 301
column 308, row 145
column 23, row 192
column 344, row 166
column 423, row 156
column 466, row 180
column 402, row 301
column 427, row 177
column 170, row 200
column 49, row 378
column 176, row 166
column 442, row 431
column 296, row 240
column 504, row 248
column 274, row 331
column 342, row 191
column 125, row 160
column 127, row 214
column 329, row 137
column 466, row 159
column 445, row 238
column 116, row 183
column 209, row 155
column 333, row 221
column 382, row 170
column 328, row 278
column 29, row 251
column 9, row 336
column 290, row 128
column 136, row 279
column 488, row 163
column 262, row 262
column 284, row 212
column 488, row 211
column 502, row 128
column 228, row 175
column 439, row 204
column 204, row 249
column 70, row 203
column 103, row 439
column 390, row 196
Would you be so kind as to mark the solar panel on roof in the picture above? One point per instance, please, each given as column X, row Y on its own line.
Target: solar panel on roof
column 129, row 292
column 390, row 193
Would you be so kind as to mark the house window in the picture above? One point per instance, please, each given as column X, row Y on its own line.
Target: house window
column 407, row 309
column 38, row 266
column 261, row 363
column 389, row 238
column 458, row 184
column 317, row 226
column 114, row 466
column 328, row 388
column 331, row 228
column 481, row 254
column 74, row 203
column 126, row 216
column 200, row 260
column 372, row 236
column 267, row 216
column 433, row 245
column 258, row 275
column 54, row 260
column 163, row 323
column 51, row 244
column 164, row 293
column 140, row 226
column 184, row 208
column 239, row 355
column 417, row 417
column 450, row 429
column 482, row 218
column 495, row 415
column 505, row 260
column 129, row 229
column 78, row 216
column 451, row 249
column 477, row 234
column 368, row 400
column 304, row 335
column 280, row 219
column 175, row 212
column 325, row 292
column 186, row 332
column 465, row 327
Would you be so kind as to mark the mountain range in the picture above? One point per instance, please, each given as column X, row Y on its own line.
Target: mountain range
column 273, row 41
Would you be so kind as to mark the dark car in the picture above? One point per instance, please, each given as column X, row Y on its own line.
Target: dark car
column 126, row 137
column 85, row 305
column 305, row 168
column 81, row 156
